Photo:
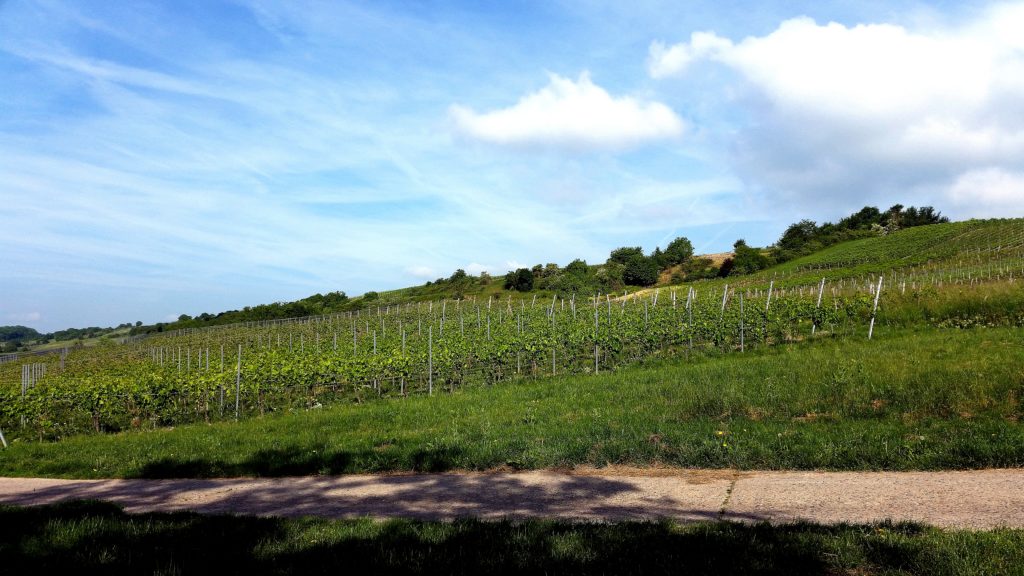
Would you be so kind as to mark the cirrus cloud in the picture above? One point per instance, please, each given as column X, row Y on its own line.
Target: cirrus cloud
column 571, row 114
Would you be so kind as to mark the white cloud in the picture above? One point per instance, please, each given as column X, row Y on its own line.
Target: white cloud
column 476, row 268
column 663, row 62
column 874, row 110
column 421, row 272
column 999, row 192
column 573, row 114
column 25, row 317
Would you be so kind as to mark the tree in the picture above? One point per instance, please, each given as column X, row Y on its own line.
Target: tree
column 521, row 280
column 640, row 271
column 726, row 268
column 625, row 254
column 797, row 235
column 679, row 251
column 577, row 267
column 746, row 260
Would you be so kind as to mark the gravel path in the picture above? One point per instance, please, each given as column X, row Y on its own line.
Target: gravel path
column 971, row 499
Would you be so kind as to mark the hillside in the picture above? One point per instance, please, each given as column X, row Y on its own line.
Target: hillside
column 416, row 340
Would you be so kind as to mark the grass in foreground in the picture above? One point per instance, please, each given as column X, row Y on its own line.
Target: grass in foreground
column 914, row 400
column 96, row 538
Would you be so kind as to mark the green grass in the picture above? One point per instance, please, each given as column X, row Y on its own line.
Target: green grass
column 912, row 400
column 94, row 538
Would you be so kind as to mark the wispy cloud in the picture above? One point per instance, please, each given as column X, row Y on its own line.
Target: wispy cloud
column 159, row 161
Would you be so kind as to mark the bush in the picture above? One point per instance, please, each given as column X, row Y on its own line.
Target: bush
column 640, row 271
column 521, row 280
column 679, row 251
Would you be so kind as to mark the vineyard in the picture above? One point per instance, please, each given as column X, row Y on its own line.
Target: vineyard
column 954, row 252
column 424, row 348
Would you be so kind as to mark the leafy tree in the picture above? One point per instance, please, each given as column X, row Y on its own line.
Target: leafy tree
column 726, row 268
column 577, row 267
column 640, row 271
column 520, row 280
column 626, row 254
column 609, row 277
column 679, row 251
column 746, row 260
column 798, row 235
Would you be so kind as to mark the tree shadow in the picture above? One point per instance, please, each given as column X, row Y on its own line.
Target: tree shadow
column 93, row 537
column 300, row 461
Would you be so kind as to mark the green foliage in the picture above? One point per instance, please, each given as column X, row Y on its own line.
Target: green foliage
column 18, row 333
column 520, row 280
column 679, row 251
column 626, row 254
column 747, row 260
column 578, row 268
column 637, row 269
column 99, row 538
column 806, row 236
column 314, row 305
column 640, row 271
column 699, row 269
column 916, row 399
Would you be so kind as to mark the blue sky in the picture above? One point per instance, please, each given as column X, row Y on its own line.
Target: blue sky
column 159, row 158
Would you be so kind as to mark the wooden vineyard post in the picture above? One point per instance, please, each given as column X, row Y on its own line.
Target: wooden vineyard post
column 24, row 389
column 689, row 322
column 430, row 361
column 821, row 290
column 874, row 310
column 2, row 439
column 741, row 323
column 238, row 380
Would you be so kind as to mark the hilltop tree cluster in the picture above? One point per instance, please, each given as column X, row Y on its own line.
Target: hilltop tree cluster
column 805, row 236
column 15, row 338
column 312, row 306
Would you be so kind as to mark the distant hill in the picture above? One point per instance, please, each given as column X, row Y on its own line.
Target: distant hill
column 869, row 240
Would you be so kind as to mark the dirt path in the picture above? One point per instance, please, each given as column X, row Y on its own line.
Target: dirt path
column 974, row 499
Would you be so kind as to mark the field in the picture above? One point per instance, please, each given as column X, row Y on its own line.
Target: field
column 769, row 371
column 423, row 348
column 913, row 399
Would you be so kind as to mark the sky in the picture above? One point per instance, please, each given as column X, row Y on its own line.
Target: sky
column 188, row 156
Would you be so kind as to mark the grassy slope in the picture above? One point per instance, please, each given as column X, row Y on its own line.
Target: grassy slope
column 93, row 538
column 915, row 399
column 953, row 245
